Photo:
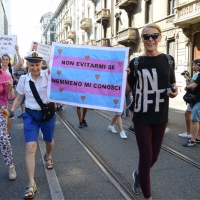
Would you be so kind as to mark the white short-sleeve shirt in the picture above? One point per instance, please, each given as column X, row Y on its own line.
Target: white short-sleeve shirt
column 41, row 83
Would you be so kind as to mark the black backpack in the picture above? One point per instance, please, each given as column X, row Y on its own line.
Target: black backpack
column 136, row 63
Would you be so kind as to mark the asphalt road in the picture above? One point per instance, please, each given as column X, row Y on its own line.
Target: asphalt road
column 76, row 176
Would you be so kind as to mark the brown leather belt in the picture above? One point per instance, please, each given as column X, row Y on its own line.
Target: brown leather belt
column 38, row 111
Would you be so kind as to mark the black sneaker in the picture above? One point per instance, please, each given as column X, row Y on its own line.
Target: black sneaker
column 131, row 128
column 9, row 136
column 136, row 182
column 81, row 125
column 190, row 143
column 84, row 123
column 197, row 141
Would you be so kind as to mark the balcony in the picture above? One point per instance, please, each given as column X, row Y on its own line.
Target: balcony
column 86, row 24
column 68, row 21
column 127, row 4
column 103, row 15
column 187, row 14
column 105, row 42
column 71, row 35
column 91, row 42
column 128, row 37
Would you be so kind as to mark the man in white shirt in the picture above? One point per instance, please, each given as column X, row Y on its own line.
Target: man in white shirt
column 33, row 116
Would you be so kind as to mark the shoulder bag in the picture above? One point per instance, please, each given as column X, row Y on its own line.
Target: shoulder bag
column 48, row 110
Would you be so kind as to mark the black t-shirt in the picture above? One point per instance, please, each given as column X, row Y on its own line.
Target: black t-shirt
column 154, row 75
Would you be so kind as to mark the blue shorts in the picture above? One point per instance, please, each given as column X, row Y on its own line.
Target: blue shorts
column 196, row 112
column 118, row 113
column 31, row 127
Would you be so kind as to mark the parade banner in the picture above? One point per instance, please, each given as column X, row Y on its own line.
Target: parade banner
column 7, row 44
column 88, row 76
column 41, row 48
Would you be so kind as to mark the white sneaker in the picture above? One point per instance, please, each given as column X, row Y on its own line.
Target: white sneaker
column 112, row 129
column 185, row 135
column 12, row 173
column 123, row 134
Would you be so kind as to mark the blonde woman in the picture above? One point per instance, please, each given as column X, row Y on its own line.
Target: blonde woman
column 152, row 82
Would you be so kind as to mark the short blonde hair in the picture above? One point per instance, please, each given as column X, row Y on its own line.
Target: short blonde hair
column 152, row 25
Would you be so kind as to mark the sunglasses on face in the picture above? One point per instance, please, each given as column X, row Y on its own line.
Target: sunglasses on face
column 154, row 36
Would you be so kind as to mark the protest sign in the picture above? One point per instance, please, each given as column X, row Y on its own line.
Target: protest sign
column 7, row 44
column 41, row 48
column 88, row 76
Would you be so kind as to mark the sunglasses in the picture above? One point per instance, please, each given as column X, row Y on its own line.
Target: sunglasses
column 154, row 36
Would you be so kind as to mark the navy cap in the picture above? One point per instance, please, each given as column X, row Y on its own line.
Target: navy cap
column 34, row 57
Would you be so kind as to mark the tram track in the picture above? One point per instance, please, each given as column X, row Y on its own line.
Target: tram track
column 164, row 147
column 114, row 179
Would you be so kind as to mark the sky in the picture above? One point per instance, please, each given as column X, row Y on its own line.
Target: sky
column 25, row 20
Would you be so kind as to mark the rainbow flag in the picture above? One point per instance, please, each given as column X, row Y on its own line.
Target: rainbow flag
column 88, row 76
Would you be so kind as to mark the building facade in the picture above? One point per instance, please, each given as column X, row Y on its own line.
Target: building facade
column 48, row 28
column 116, row 23
column 50, row 32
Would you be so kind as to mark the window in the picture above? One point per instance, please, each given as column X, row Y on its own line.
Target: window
column 78, row 23
column 171, row 4
column 88, row 12
column 88, row 36
column 104, row 32
column 118, row 25
column 95, row 33
column 148, row 11
column 171, row 47
column 131, row 18
column 105, row 3
column 83, row 39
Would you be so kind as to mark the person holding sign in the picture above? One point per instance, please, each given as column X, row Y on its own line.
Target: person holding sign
column 81, row 118
column 153, row 77
column 6, row 66
column 31, row 85
column 6, row 93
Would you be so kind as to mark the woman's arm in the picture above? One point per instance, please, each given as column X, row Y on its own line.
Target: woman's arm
column 128, row 88
column 17, row 102
column 20, row 63
column 11, row 94
column 172, row 94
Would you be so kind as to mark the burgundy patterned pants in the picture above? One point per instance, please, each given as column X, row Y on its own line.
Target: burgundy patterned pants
column 6, row 149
